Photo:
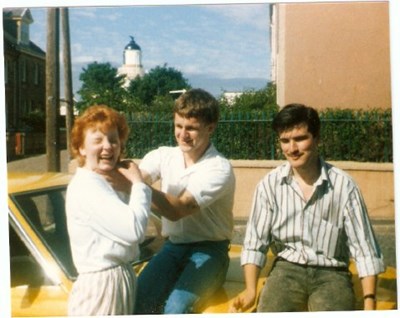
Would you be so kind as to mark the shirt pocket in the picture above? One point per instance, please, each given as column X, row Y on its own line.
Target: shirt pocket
column 325, row 238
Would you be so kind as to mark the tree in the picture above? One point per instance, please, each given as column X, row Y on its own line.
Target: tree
column 263, row 99
column 158, row 82
column 101, row 84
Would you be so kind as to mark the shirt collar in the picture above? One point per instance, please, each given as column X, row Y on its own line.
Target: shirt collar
column 324, row 177
column 287, row 174
column 209, row 152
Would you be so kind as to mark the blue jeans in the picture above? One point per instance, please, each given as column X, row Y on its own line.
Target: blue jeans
column 291, row 287
column 180, row 276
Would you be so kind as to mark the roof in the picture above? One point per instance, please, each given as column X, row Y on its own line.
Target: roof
column 10, row 15
column 31, row 48
column 132, row 45
column 18, row 14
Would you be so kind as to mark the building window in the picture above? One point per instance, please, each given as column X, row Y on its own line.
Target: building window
column 25, row 33
column 23, row 70
column 36, row 73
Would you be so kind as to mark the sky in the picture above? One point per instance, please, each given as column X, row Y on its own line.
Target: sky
column 219, row 48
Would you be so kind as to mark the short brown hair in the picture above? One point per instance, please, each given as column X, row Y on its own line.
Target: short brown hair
column 296, row 114
column 199, row 104
column 100, row 116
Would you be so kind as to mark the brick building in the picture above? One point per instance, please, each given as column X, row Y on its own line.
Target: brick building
column 24, row 81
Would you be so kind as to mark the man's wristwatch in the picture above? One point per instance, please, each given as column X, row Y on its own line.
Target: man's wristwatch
column 372, row 296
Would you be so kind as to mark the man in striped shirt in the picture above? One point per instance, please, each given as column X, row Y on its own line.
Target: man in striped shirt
column 313, row 218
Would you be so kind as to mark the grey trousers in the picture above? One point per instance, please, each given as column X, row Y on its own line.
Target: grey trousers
column 291, row 287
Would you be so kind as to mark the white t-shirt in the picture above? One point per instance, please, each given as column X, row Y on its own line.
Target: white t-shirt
column 105, row 229
column 211, row 182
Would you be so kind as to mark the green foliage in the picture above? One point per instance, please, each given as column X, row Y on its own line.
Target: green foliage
column 156, row 85
column 101, row 85
column 364, row 136
column 357, row 135
column 248, row 120
column 149, row 131
column 263, row 99
column 162, row 103
column 246, row 135
column 244, row 130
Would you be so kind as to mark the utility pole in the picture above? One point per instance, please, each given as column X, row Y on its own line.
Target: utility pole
column 52, row 90
column 68, row 93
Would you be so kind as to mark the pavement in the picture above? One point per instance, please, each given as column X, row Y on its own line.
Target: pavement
column 37, row 163
column 384, row 229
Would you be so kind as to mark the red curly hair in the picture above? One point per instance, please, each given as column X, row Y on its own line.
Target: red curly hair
column 101, row 117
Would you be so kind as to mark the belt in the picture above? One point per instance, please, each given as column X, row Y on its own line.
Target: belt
column 326, row 268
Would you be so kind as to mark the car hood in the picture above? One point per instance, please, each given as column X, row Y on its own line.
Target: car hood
column 27, row 181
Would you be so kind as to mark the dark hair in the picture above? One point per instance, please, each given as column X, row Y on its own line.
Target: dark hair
column 102, row 117
column 296, row 114
column 199, row 104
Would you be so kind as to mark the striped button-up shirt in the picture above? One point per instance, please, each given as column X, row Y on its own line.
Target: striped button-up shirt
column 326, row 230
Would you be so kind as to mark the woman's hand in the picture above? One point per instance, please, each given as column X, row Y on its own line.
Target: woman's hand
column 130, row 171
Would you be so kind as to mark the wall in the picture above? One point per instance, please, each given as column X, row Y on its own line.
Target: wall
column 21, row 144
column 333, row 55
column 376, row 181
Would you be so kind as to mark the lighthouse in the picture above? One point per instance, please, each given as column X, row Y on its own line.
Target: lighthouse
column 132, row 62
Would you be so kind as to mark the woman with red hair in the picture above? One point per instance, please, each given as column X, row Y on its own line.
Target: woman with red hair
column 105, row 226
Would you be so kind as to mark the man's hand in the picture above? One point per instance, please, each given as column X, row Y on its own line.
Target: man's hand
column 369, row 304
column 243, row 302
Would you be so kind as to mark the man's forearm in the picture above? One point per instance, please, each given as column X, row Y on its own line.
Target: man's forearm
column 251, row 273
column 171, row 207
column 368, row 284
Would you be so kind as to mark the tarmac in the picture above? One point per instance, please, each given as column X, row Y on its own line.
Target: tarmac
column 384, row 229
column 37, row 163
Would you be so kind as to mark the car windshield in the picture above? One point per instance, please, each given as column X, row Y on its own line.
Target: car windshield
column 45, row 211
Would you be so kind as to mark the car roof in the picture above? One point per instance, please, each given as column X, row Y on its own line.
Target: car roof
column 28, row 181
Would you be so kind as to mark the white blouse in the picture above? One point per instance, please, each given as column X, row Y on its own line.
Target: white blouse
column 105, row 230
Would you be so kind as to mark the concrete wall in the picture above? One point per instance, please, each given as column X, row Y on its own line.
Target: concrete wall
column 333, row 55
column 376, row 181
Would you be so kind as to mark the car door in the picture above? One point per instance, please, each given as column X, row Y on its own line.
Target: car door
column 40, row 278
column 41, row 266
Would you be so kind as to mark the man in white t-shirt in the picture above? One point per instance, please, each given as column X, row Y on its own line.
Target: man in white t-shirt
column 195, row 201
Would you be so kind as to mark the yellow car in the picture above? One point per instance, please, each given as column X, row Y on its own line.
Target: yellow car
column 42, row 271
column 41, row 267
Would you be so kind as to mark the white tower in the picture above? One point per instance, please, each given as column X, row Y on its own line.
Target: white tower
column 132, row 66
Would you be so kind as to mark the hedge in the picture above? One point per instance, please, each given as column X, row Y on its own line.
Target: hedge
column 351, row 135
